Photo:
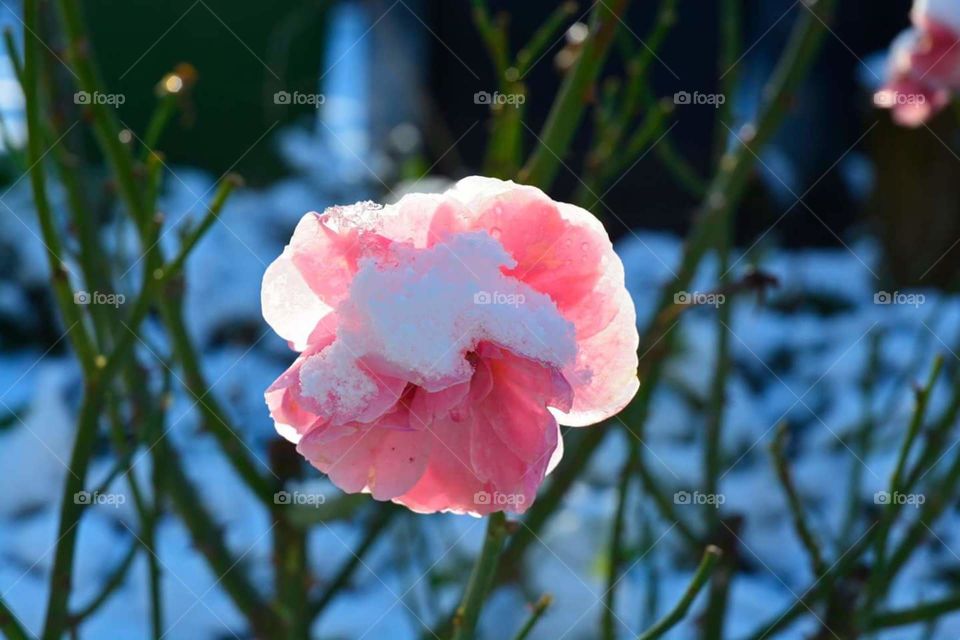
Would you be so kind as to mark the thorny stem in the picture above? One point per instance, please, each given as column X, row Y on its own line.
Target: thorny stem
column 712, row 453
column 897, row 480
column 914, row 615
column 378, row 526
column 566, row 113
column 679, row 611
column 109, row 586
column 539, row 608
column 122, row 162
column 574, row 94
column 726, row 189
column 615, row 553
column 59, row 274
column 207, row 536
column 9, row 624
column 481, row 579
column 809, row 541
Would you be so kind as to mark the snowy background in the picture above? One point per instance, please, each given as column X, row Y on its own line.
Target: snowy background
column 802, row 355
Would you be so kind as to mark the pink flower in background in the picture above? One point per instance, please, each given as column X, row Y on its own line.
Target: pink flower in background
column 445, row 338
column 924, row 63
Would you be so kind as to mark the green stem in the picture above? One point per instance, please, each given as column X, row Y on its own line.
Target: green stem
column 897, row 480
column 146, row 513
column 162, row 113
column 227, row 185
column 914, row 615
column 726, row 189
column 378, row 526
column 712, row 456
column 710, row 557
column 60, row 280
column 731, row 44
column 61, row 576
column 543, row 37
column 809, row 541
column 615, row 554
column 70, row 510
column 539, row 608
column 206, row 534
column 105, row 123
column 666, row 506
column 567, row 110
column 214, row 417
column 109, row 587
column 615, row 156
column 610, row 156
column 465, row 620
column 9, row 624
column 494, row 36
column 822, row 586
column 685, row 175
column 937, row 499
column 122, row 162
column 717, row 402
column 290, row 554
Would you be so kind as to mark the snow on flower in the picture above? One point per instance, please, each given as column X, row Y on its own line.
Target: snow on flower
column 443, row 340
column 923, row 69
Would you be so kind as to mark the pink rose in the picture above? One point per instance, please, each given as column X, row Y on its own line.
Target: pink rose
column 444, row 338
column 924, row 64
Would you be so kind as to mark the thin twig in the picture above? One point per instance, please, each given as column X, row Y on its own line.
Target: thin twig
column 465, row 619
column 679, row 611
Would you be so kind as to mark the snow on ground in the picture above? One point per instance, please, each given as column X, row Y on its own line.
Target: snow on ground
column 801, row 356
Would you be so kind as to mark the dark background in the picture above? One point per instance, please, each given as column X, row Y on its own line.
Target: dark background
column 878, row 180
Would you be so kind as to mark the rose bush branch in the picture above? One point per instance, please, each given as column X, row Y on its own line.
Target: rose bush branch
column 123, row 164
column 724, row 195
column 897, row 480
column 481, row 579
column 608, row 157
column 263, row 617
column 539, row 608
column 679, row 611
column 615, row 552
column 10, row 625
column 727, row 187
column 378, row 525
column 103, row 368
column 801, row 526
column 574, row 95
